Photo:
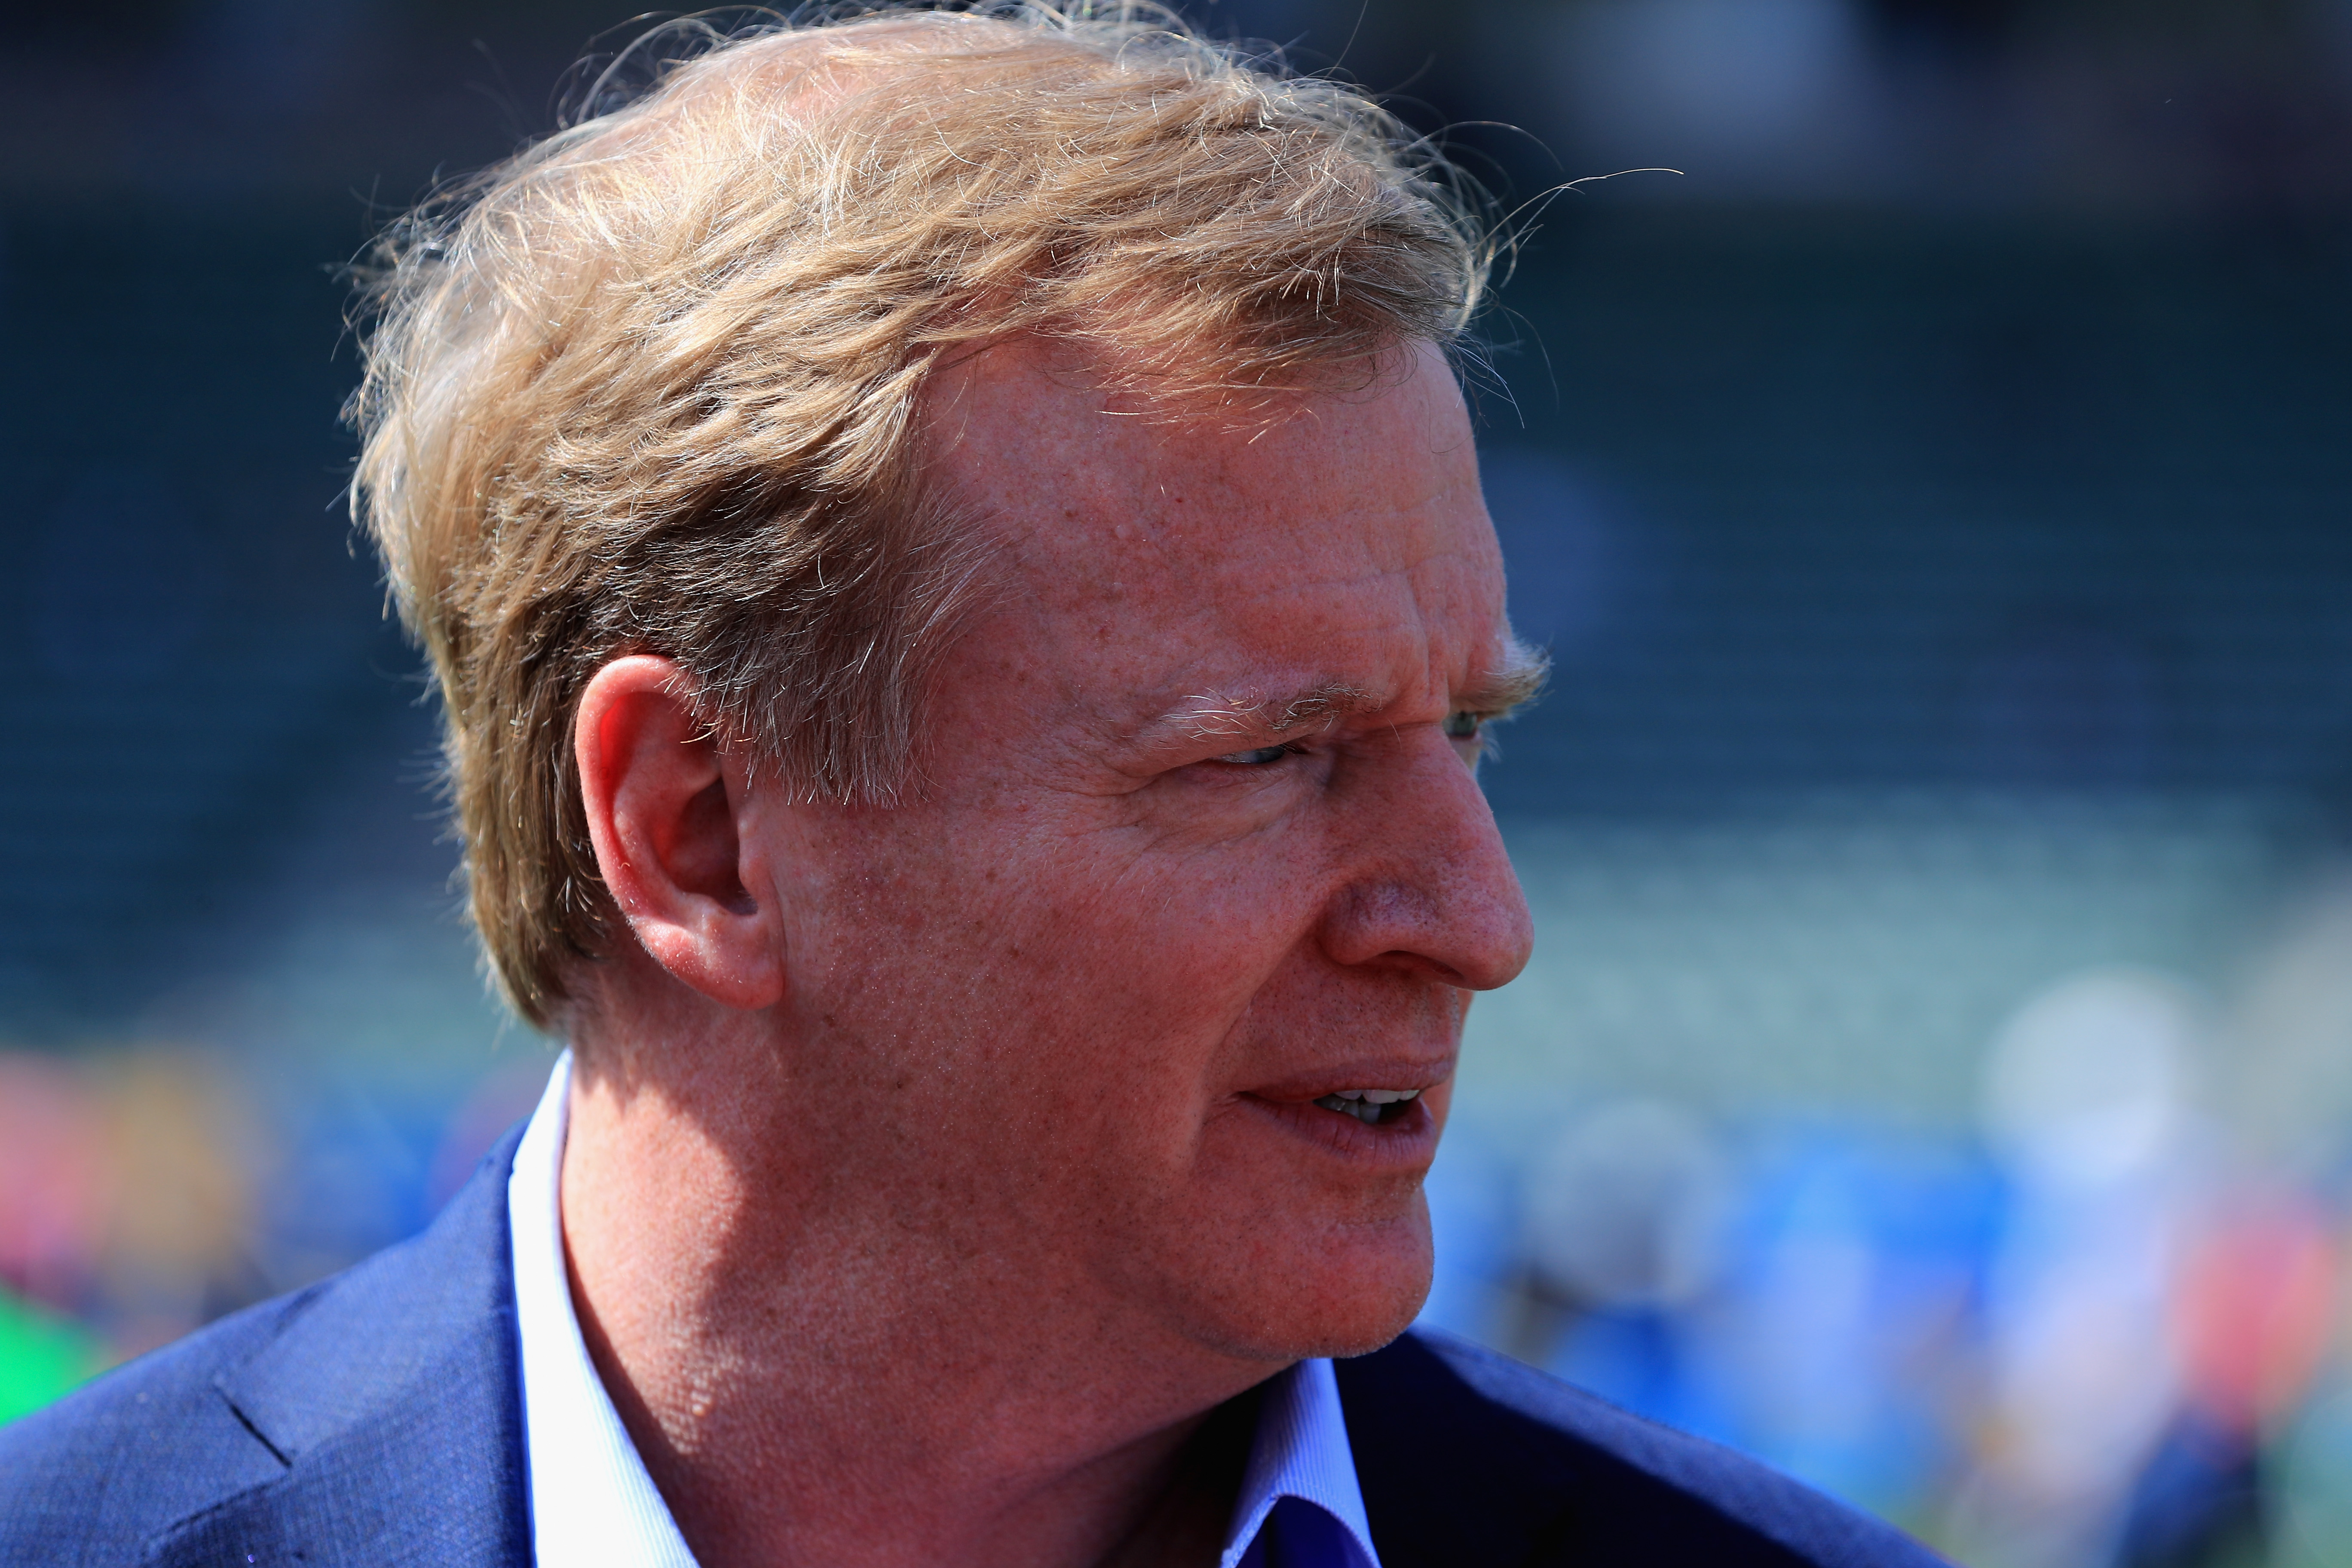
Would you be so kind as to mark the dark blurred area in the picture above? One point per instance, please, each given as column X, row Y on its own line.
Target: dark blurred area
column 1917, row 427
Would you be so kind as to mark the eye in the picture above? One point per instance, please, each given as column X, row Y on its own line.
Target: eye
column 1257, row 757
column 1467, row 730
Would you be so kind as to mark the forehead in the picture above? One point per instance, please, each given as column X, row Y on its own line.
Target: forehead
column 1345, row 540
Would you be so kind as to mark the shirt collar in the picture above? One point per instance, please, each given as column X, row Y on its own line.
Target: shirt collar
column 591, row 1500
column 1300, row 1486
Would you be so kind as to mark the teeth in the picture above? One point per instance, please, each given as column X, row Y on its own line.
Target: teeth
column 1366, row 1104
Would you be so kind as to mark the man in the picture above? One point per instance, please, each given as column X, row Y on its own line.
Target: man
column 952, row 550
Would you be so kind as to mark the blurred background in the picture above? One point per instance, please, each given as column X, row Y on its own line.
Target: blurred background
column 1936, row 1073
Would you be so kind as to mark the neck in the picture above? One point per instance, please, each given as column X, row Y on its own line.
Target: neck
column 821, row 1361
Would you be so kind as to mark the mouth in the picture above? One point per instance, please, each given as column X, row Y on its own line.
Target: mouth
column 1385, row 1128
column 1373, row 1107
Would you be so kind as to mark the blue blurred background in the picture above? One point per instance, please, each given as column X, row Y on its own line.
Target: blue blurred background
column 1936, row 1073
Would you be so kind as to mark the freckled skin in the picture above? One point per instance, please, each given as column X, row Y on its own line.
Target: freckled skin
column 934, row 1169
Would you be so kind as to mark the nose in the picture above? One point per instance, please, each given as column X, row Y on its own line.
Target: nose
column 1429, row 887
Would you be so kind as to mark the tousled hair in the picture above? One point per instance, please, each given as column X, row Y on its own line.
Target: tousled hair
column 653, row 384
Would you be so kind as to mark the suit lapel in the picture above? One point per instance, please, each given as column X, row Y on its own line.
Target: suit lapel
column 1466, row 1456
column 1446, row 1478
column 393, row 1397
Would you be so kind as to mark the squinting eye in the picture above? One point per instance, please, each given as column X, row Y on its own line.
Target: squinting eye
column 1257, row 757
column 1464, row 726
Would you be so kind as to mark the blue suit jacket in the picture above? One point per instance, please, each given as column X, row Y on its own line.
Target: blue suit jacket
column 376, row 1420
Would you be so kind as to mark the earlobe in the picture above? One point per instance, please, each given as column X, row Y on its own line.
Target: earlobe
column 666, row 816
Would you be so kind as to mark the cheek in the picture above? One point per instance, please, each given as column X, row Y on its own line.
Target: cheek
column 1167, row 949
column 1077, row 963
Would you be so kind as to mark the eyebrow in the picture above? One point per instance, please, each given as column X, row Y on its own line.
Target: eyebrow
column 1515, row 680
column 1319, row 707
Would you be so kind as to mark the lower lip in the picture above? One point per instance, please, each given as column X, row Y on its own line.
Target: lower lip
column 1404, row 1142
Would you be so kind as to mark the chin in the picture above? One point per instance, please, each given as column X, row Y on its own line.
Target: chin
column 1314, row 1297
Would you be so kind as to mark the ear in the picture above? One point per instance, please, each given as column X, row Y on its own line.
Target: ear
column 666, row 815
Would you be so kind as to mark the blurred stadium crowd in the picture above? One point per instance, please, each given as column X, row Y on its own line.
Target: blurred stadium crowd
column 1935, row 1074
column 2094, row 1328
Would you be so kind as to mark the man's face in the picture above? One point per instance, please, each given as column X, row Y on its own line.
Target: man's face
column 1201, row 846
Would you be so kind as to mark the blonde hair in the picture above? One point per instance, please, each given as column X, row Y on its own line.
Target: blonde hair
column 652, row 385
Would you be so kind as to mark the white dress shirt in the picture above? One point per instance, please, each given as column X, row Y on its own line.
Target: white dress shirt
column 592, row 1501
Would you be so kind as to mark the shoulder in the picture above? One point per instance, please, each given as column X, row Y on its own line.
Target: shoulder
column 1465, row 1455
column 102, row 1470
column 375, row 1417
